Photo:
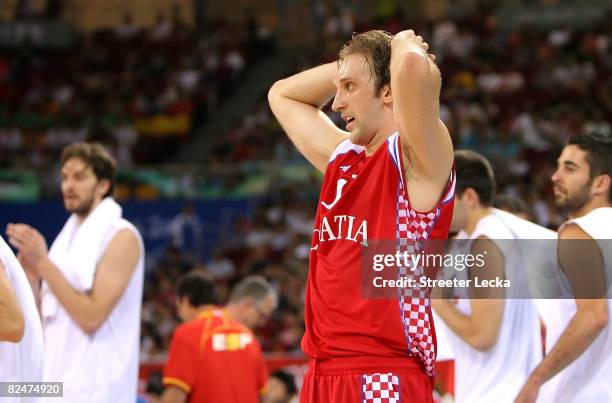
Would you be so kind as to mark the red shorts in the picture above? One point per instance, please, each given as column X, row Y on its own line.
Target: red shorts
column 366, row 380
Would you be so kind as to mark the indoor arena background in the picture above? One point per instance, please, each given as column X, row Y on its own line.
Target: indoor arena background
column 177, row 90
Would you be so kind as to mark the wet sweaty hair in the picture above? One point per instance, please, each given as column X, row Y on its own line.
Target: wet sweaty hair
column 375, row 47
column 97, row 157
column 598, row 148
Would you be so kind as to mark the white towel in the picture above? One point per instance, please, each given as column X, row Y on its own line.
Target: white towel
column 77, row 248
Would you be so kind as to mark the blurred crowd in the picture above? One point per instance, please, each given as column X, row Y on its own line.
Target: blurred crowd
column 141, row 91
column 273, row 241
column 515, row 95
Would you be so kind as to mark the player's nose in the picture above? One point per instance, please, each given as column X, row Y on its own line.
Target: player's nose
column 338, row 103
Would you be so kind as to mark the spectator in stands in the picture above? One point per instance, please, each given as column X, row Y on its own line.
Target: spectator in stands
column 186, row 233
column 281, row 388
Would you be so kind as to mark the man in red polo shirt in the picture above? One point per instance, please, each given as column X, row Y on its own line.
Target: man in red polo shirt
column 214, row 356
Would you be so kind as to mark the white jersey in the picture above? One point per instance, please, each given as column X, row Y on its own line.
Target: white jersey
column 498, row 374
column 22, row 361
column 101, row 367
column 587, row 379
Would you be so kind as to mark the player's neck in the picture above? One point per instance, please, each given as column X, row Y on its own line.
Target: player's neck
column 379, row 138
column 82, row 217
column 475, row 216
column 233, row 310
column 592, row 204
column 201, row 309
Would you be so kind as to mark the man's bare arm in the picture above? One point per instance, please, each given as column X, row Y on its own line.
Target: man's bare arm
column 591, row 315
column 479, row 329
column 88, row 309
column 297, row 101
column 174, row 394
column 11, row 316
column 427, row 146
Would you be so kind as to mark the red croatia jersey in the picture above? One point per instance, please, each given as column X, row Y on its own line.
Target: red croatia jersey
column 364, row 198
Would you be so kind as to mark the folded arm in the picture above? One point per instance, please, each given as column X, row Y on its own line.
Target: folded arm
column 297, row 101
column 427, row 146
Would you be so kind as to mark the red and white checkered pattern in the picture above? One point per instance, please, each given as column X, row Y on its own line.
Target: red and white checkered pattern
column 380, row 388
column 413, row 227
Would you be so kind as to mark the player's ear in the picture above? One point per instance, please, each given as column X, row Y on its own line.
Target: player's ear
column 385, row 92
column 601, row 184
column 471, row 197
column 102, row 187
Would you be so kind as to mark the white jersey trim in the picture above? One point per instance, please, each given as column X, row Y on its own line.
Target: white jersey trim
column 344, row 147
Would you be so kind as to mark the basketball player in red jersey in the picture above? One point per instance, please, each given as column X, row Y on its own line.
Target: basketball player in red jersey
column 387, row 177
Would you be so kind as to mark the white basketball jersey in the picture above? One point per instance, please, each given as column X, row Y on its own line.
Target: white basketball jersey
column 101, row 367
column 587, row 379
column 498, row 374
column 22, row 361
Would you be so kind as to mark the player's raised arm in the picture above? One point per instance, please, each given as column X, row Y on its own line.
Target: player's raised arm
column 296, row 102
column 427, row 146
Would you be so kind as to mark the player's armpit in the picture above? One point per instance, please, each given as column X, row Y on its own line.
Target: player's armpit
column 427, row 146
column 11, row 316
column 173, row 393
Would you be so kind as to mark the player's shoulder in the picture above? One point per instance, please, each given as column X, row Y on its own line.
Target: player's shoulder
column 345, row 149
column 573, row 230
column 190, row 330
column 123, row 225
column 124, row 232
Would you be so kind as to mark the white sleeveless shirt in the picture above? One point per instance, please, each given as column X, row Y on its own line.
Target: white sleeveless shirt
column 22, row 361
column 498, row 374
column 588, row 378
column 101, row 367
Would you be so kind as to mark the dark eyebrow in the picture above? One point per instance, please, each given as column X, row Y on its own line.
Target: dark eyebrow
column 82, row 171
column 568, row 163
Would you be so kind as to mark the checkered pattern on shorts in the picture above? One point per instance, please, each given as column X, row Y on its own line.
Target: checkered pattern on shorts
column 413, row 227
column 380, row 388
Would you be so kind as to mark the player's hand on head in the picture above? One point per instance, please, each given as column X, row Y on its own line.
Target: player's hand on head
column 30, row 243
column 411, row 37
